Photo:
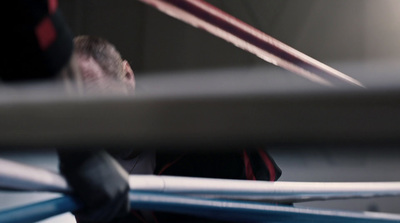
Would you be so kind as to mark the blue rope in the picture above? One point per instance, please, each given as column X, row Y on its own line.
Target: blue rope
column 39, row 211
column 242, row 211
column 245, row 211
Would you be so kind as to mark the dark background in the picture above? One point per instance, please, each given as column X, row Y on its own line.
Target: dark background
column 330, row 31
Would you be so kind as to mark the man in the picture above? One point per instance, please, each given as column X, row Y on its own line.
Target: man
column 100, row 70
column 103, row 70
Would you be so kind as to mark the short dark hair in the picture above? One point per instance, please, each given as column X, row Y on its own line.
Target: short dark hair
column 105, row 53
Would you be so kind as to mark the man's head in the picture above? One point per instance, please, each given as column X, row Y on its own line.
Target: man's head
column 101, row 68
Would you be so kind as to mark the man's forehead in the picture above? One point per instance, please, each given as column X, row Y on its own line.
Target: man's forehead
column 95, row 79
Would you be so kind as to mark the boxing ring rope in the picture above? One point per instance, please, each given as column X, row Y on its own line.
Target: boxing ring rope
column 209, row 208
column 203, row 15
column 22, row 177
column 212, row 198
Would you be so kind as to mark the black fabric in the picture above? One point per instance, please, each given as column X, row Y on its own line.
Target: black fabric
column 228, row 165
column 260, row 169
column 99, row 181
column 23, row 59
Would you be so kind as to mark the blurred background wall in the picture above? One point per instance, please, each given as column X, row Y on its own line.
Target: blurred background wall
column 339, row 30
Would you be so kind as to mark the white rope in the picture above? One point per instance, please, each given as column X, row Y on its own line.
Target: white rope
column 19, row 176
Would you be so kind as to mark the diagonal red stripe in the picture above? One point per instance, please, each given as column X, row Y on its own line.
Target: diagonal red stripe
column 247, row 166
column 269, row 164
column 217, row 22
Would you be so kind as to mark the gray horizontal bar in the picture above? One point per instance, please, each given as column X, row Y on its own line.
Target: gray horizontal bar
column 326, row 117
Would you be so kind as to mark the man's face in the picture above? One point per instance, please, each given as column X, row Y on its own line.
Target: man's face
column 95, row 80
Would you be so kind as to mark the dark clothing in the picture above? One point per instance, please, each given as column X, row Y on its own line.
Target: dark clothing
column 38, row 46
column 249, row 164
column 99, row 182
column 38, row 41
column 234, row 164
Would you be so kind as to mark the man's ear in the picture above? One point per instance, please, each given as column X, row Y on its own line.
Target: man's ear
column 129, row 75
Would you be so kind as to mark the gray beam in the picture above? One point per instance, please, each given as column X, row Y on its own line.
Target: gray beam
column 325, row 117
